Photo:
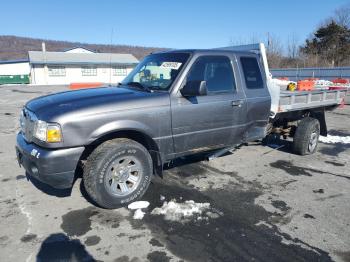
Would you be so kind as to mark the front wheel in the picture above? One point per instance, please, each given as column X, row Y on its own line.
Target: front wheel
column 306, row 136
column 117, row 172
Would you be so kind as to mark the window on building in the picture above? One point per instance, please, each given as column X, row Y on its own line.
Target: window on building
column 252, row 74
column 57, row 70
column 88, row 71
column 119, row 71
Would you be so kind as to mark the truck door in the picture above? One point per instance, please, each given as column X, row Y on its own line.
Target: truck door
column 214, row 120
column 258, row 96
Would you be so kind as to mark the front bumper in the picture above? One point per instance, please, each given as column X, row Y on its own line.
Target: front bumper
column 55, row 167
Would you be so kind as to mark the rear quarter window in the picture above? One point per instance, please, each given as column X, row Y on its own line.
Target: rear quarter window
column 252, row 74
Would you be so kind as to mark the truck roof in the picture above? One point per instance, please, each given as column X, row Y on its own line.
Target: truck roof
column 205, row 51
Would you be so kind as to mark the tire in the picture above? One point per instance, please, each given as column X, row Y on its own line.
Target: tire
column 306, row 136
column 117, row 172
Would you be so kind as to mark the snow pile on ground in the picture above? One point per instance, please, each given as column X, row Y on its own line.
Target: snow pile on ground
column 139, row 214
column 138, row 205
column 181, row 212
column 335, row 139
column 174, row 211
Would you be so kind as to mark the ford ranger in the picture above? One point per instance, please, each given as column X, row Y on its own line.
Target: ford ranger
column 173, row 104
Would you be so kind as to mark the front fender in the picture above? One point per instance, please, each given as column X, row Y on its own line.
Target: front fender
column 121, row 125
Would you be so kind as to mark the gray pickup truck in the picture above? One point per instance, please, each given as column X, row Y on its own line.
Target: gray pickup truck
column 172, row 104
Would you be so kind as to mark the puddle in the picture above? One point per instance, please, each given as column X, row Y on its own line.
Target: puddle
column 158, row 256
column 26, row 92
column 281, row 205
column 293, row 170
column 308, row 216
column 28, row 238
column 92, row 240
column 234, row 236
column 334, row 163
column 78, row 222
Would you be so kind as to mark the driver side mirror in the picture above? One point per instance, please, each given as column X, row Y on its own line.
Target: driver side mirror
column 194, row 88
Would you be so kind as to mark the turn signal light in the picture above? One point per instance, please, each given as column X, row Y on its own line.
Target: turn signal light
column 53, row 134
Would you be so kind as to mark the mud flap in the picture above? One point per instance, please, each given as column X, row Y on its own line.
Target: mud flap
column 321, row 117
column 157, row 163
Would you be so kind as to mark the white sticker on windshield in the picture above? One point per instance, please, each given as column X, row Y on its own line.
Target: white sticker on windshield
column 171, row 65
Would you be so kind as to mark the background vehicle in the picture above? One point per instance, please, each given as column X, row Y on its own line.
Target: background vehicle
column 172, row 104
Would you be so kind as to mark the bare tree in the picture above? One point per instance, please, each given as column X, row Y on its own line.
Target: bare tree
column 342, row 15
column 292, row 46
column 252, row 39
column 274, row 51
column 274, row 48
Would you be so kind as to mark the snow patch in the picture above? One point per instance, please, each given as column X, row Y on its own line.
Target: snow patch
column 181, row 212
column 139, row 214
column 335, row 139
column 138, row 205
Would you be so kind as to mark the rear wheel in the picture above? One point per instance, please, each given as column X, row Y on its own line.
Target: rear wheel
column 117, row 172
column 306, row 136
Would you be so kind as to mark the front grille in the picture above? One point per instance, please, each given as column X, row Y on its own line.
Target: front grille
column 27, row 122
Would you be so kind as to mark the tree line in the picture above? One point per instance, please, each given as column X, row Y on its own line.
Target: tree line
column 327, row 46
column 15, row 47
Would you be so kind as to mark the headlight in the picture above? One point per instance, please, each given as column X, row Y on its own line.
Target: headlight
column 22, row 121
column 47, row 132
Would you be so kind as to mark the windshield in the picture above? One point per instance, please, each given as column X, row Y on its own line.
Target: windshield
column 157, row 72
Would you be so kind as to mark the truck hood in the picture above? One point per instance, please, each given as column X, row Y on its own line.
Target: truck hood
column 97, row 100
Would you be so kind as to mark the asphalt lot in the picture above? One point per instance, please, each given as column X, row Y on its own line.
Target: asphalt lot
column 270, row 205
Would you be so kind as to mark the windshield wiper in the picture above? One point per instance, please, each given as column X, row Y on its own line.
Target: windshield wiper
column 158, row 88
column 139, row 86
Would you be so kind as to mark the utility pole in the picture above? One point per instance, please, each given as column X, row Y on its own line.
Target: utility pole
column 46, row 71
column 110, row 58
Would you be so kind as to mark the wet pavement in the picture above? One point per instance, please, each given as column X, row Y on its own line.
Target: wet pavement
column 265, row 205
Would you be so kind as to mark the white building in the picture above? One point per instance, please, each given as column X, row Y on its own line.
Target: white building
column 15, row 67
column 78, row 65
column 80, row 50
column 14, row 72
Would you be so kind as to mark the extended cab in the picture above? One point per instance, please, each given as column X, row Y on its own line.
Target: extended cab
column 172, row 104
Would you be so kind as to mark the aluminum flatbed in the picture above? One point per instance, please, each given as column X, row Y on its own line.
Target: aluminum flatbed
column 286, row 101
column 293, row 101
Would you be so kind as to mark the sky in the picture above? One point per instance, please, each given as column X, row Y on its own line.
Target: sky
column 171, row 24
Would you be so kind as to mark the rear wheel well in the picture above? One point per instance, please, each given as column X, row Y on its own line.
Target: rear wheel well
column 137, row 136
column 287, row 122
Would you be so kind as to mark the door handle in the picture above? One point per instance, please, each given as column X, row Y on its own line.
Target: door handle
column 237, row 103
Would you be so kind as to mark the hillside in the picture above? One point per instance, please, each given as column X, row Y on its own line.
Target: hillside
column 14, row 47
